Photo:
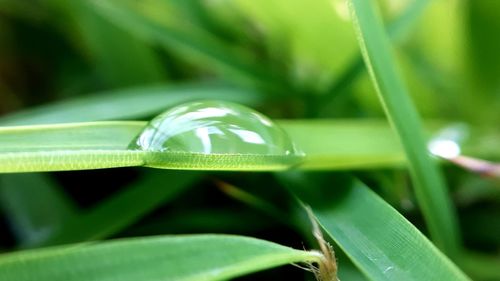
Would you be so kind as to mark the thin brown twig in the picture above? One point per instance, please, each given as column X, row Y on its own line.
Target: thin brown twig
column 479, row 166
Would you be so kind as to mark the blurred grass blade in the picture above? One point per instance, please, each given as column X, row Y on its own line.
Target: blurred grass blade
column 198, row 44
column 480, row 266
column 429, row 185
column 127, row 103
column 35, row 206
column 397, row 29
column 124, row 208
column 136, row 64
column 402, row 25
column 378, row 240
column 186, row 258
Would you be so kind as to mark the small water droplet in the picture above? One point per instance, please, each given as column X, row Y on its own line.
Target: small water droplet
column 195, row 135
column 446, row 149
column 446, row 143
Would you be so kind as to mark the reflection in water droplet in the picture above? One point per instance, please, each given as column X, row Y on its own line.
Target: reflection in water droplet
column 207, row 130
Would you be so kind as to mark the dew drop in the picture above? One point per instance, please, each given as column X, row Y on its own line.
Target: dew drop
column 446, row 149
column 446, row 143
column 215, row 135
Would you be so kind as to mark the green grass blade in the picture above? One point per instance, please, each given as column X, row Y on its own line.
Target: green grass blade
column 430, row 188
column 328, row 145
column 104, row 145
column 69, row 147
column 81, row 146
column 342, row 145
column 186, row 258
column 127, row 103
column 35, row 206
column 378, row 240
column 397, row 29
column 402, row 25
column 106, row 135
column 123, row 209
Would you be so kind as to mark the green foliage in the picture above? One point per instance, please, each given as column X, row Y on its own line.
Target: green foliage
column 430, row 188
column 80, row 79
column 384, row 245
column 175, row 257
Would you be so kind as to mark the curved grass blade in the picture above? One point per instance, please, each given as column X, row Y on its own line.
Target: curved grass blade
column 377, row 239
column 129, row 103
column 430, row 188
column 186, row 258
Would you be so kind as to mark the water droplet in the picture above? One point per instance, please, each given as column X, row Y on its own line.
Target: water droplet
column 215, row 135
column 446, row 149
column 446, row 143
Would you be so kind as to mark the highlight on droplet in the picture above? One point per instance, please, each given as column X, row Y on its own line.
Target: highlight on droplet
column 215, row 135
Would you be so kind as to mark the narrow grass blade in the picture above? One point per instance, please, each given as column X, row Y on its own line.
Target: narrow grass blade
column 397, row 29
column 176, row 258
column 136, row 102
column 68, row 147
column 106, row 135
column 104, row 145
column 342, row 145
column 327, row 144
column 35, row 206
column 377, row 239
column 430, row 188
column 81, row 146
column 123, row 209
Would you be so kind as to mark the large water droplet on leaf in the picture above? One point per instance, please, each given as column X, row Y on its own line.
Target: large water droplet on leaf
column 215, row 135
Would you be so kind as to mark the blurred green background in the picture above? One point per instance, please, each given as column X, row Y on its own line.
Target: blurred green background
column 302, row 60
